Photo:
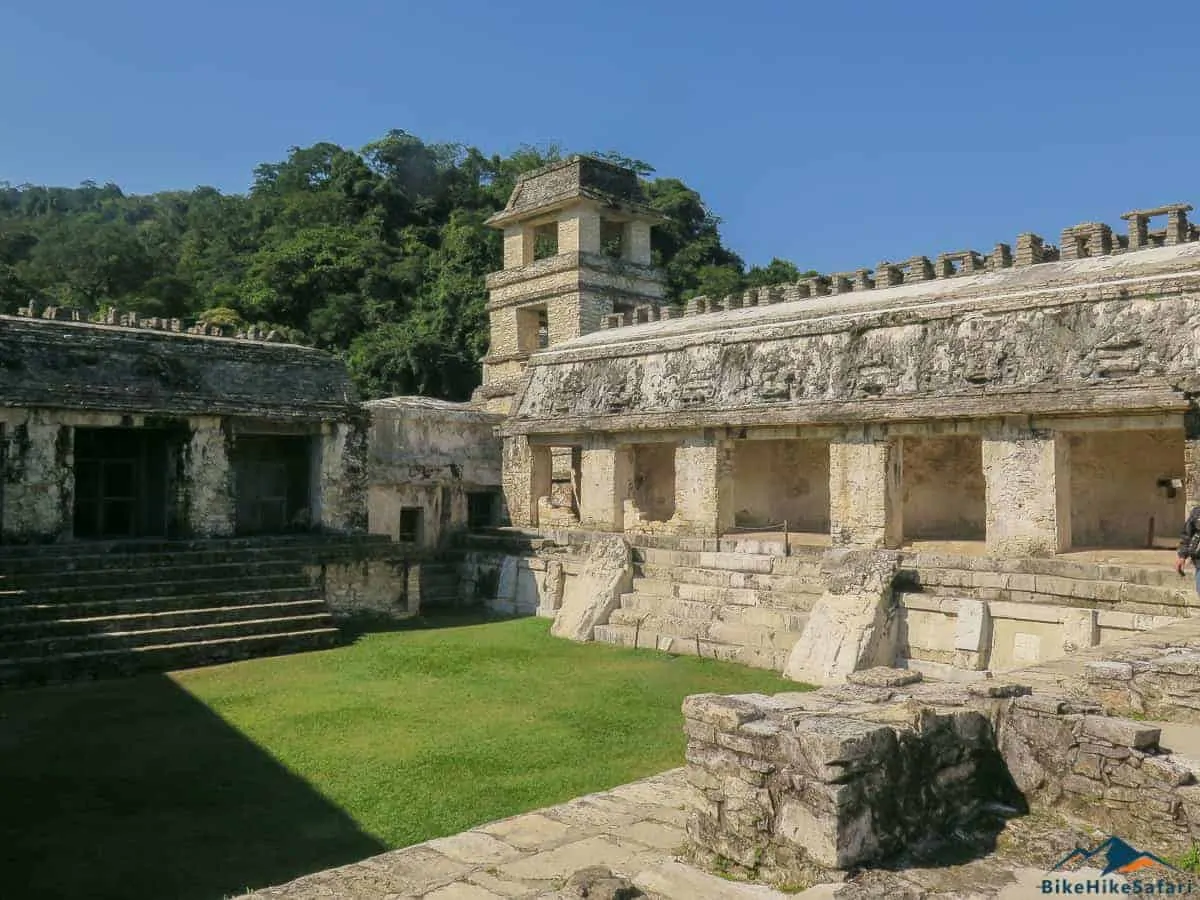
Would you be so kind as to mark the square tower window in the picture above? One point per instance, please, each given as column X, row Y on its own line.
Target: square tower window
column 533, row 328
column 545, row 240
column 612, row 239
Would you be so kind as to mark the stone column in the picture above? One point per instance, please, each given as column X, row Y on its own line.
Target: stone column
column 1191, row 458
column 1028, row 478
column 606, row 477
column 637, row 242
column 866, row 503
column 341, row 502
column 208, row 480
column 704, row 486
column 525, row 478
column 38, row 489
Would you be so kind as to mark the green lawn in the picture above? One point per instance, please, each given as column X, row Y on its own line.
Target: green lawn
column 203, row 783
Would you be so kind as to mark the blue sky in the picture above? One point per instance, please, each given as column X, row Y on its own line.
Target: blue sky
column 832, row 134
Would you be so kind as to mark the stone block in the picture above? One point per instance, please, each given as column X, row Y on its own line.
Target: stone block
column 725, row 713
column 1120, row 732
column 972, row 630
column 590, row 597
column 882, row 676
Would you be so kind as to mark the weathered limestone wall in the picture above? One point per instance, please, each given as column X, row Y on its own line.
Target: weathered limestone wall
column 513, row 584
column 106, row 368
column 526, row 477
column 429, row 454
column 780, row 480
column 703, row 486
column 376, row 587
column 342, row 502
column 866, row 478
column 606, row 480
column 37, row 490
column 208, row 479
column 1028, row 493
column 1115, row 495
column 1120, row 336
column 944, row 489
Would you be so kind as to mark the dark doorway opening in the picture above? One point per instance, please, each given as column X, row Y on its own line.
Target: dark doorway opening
column 410, row 524
column 481, row 509
column 272, row 482
column 121, row 477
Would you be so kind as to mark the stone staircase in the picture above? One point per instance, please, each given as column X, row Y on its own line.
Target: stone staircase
column 746, row 607
column 88, row 610
column 1135, row 590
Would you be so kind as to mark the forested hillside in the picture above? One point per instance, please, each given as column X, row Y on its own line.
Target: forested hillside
column 378, row 254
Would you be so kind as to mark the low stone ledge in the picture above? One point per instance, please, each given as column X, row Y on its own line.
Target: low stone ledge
column 803, row 786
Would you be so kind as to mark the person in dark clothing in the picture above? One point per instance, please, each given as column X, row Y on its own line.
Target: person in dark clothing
column 1189, row 544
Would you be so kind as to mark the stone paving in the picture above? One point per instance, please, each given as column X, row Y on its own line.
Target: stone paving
column 637, row 831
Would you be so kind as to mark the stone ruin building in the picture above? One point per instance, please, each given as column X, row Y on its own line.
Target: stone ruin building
column 948, row 489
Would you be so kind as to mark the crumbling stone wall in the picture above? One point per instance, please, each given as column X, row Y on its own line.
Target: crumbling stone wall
column 789, row 787
column 793, row 786
column 431, row 455
column 36, row 496
column 76, row 365
column 58, row 376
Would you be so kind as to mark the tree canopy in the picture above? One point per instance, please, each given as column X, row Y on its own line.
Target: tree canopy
column 378, row 255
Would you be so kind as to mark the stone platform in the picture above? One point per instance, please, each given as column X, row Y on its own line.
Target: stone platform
column 637, row 831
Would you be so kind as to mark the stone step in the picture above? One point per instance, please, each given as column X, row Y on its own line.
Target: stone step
column 135, row 574
column 154, row 545
column 96, row 593
column 749, row 542
column 688, row 628
column 1055, row 567
column 38, row 648
column 781, row 620
column 1058, row 591
column 120, row 622
column 716, row 630
column 84, row 560
column 812, row 583
column 648, row 639
column 658, row 604
column 37, row 610
column 636, row 605
column 140, row 546
column 696, row 592
column 736, row 562
column 164, row 657
column 718, row 596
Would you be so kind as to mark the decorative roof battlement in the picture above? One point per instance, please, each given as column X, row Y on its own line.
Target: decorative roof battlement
column 1088, row 239
column 116, row 318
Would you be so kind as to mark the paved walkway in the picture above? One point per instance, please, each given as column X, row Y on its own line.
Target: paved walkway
column 636, row 831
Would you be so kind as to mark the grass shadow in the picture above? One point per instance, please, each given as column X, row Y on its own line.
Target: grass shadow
column 133, row 788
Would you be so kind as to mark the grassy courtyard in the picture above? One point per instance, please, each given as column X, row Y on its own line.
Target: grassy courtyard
column 203, row 783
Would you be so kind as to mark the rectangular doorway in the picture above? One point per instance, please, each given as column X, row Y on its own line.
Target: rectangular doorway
column 272, row 483
column 121, row 477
